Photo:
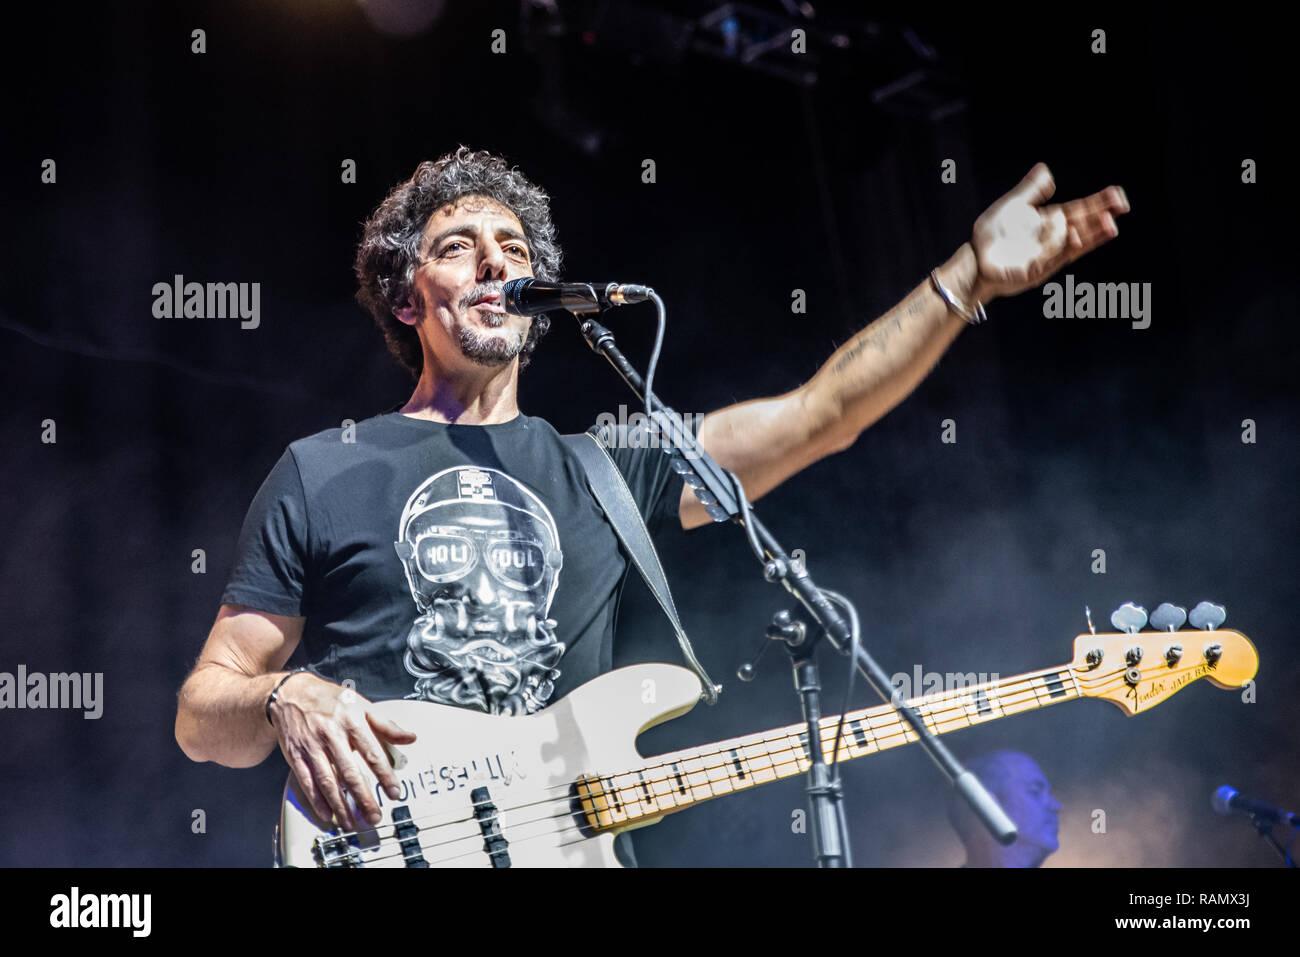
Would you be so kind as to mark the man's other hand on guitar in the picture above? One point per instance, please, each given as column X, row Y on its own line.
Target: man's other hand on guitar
column 326, row 733
column 329, row 738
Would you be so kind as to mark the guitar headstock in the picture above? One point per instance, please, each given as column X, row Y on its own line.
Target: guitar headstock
column 1138, row 669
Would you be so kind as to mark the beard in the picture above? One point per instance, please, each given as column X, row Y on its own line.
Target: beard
column 490, row 350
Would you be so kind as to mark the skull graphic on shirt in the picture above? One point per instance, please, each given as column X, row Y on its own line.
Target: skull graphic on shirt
column 482, row 558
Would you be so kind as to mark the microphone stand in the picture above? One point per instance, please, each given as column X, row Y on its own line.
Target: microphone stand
column 724, row 501
column 1264, row 826
column 1264, row 822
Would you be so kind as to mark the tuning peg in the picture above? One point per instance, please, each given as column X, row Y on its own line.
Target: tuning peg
column 1208, row 615
column 1168, row 617
column 1129, row 617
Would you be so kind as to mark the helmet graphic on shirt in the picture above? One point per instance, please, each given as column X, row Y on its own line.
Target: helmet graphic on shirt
column 482, row 558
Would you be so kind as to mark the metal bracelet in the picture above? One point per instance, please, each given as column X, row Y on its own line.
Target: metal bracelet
column 276, row 690
column 973, row 318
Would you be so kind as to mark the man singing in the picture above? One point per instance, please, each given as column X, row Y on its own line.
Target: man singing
column 449, row 550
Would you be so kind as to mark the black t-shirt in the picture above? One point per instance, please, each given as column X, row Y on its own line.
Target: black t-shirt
column 465, row 565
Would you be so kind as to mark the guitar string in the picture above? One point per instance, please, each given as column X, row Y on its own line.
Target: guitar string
column 607, row 810
column 567, row 813
column 563, row 829
column 787, row 754
column 1013, row 690
column 476, row 853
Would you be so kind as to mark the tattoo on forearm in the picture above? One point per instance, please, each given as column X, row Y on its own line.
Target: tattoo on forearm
column 878, row 334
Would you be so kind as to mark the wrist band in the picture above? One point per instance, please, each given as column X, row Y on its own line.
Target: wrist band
column 973, row 318
column 276, row 690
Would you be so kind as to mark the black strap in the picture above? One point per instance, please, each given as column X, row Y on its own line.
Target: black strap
column 611, row 491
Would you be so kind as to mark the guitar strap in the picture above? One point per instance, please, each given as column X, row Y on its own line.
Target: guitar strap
column 611, row 491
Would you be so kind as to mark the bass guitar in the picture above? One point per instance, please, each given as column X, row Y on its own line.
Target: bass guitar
column 552, row 789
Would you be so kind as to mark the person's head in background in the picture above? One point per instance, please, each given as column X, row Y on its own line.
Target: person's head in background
column 1018, row 784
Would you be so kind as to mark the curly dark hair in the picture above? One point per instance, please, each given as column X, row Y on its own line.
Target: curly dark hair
column 390, row 246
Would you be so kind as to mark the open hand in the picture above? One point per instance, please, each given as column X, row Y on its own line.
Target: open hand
column 1019, row 241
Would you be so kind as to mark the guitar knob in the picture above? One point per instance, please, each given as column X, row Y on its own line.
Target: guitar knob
column 1213, row 652
column 1133, row 656
column 1129, row 617
column 1208, row 615
column 1173, row 654
column 1168, row 617
column 1093, row 657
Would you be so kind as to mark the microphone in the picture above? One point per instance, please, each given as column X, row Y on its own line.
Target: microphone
column 1227, row 800
column 529, row 297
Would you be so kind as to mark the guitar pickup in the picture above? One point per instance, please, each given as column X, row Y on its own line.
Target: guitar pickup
column 408, row 837
column 494, row 842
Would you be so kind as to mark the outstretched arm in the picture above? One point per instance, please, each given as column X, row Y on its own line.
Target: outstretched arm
column 1015, row 245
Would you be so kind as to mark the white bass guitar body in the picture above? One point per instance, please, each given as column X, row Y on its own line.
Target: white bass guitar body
column 482, row 790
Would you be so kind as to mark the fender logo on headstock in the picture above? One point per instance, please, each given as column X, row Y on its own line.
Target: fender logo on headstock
column 1160, row 688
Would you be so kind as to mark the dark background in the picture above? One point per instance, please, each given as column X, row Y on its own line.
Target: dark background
column 1072, row 434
